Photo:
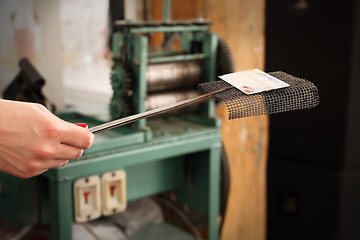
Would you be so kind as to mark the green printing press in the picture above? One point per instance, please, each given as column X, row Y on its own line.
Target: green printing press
column 180, row 151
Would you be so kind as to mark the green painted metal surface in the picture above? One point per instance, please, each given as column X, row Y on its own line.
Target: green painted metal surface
column 117, row 42
column 210, row 50
column 61, row 209
column 19, row 200
column 153, row 177
column 139, row 60
column 152, row 167
column 190, row 138
column 107, row 139
column 161, row 231
column 166, row 10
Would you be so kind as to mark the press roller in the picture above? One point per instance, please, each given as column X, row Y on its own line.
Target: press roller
column 143, row 78
column 174, row 75
column 172, row 82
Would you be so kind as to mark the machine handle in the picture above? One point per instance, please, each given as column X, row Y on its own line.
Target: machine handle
column 154, row 112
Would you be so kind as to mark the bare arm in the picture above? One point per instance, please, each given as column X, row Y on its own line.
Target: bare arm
column 33, row 140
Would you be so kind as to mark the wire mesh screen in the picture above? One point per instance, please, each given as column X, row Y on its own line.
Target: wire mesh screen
column 301, row 94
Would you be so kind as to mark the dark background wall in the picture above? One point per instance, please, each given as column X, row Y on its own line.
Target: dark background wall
column 314, row 155
column 317, row 43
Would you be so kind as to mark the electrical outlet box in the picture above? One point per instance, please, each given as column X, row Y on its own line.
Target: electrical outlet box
column 87, row 200
column 113, row 192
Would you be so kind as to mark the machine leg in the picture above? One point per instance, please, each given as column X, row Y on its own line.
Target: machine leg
column 61, row 210
column 214, row 192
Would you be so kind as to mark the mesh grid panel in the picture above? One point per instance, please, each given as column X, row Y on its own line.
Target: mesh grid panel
column 301, row 94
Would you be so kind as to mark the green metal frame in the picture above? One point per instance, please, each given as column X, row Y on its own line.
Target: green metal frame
column 152, row 167
column 19, row 201
column 166, row 11
column 139, row 64
column 131, row 48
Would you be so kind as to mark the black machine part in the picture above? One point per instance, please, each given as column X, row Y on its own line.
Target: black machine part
column 27, row 86
column 299, row 95
column 225, row 60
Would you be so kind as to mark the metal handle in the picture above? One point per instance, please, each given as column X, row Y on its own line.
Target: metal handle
column 154, row 112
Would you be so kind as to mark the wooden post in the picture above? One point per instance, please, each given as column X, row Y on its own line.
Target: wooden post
column 241, row 24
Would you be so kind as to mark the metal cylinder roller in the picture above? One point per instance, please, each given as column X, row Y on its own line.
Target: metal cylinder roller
column 157, row 100
column 167, row 83
column 173, row 75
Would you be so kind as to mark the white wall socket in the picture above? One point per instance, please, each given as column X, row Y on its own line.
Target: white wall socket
column 113, row 185
column 87, row 201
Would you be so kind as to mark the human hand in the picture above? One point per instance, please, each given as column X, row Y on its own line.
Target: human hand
column 33, row 140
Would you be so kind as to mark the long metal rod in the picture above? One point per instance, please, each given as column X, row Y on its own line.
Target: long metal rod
column 154, row 112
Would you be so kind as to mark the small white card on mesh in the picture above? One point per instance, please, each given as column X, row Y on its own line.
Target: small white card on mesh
column 253, row 81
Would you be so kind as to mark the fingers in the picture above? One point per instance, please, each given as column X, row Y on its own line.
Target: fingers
column 20, row 174
column 67, row 152
column 50, row 150
column 24, row 167
column 35, row 168
column 77, row 136
column 52, row 164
